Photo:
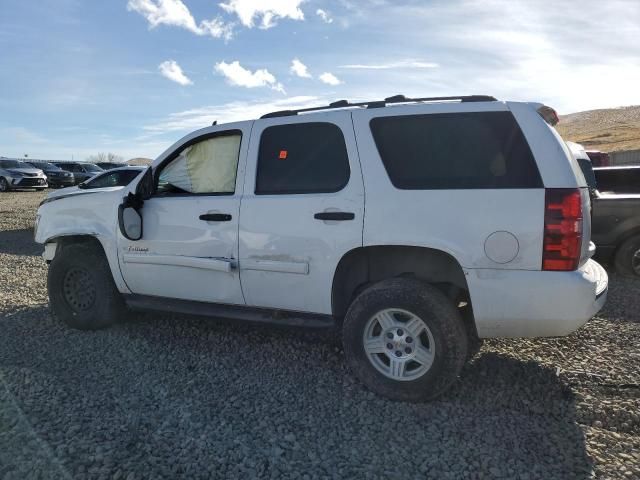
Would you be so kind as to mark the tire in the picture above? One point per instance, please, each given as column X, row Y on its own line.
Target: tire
column 81, row 289
column 627, row 259
column 404, row 299
column 4, row 185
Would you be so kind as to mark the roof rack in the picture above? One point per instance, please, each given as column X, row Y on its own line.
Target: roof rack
column 381, row 103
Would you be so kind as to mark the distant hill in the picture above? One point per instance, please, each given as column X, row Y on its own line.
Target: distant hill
column 140, row 161
column 608, row 130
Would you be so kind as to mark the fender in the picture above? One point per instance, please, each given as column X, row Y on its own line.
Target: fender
column 92, row 215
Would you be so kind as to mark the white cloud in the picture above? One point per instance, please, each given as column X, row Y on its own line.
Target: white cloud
column 236, row 74
column 190, row 120
column 266, row 12
column 324, row 15
column 300, row 69
column 176, row 13
column 329, row 79
column 391, row 65
column 171, row 70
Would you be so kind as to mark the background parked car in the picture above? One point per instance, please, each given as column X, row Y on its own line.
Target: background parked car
column 18, row 174
column 623, row 179
column 615, row 220
column 81, row 171
column 56, row 177
column 117, row 177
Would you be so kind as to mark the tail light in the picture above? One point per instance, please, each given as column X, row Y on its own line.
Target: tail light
column 562, row 229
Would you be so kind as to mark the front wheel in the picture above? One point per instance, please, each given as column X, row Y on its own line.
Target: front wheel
column 627, row 259
column 405, row 340
column 4, row 185
column 81, row 289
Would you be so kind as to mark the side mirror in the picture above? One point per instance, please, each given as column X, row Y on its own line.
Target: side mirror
column 130, row 222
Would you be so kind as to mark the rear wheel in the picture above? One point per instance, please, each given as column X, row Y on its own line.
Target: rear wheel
column 4, row 185
column 405, row 340
column 82, row 292
column 627, row 259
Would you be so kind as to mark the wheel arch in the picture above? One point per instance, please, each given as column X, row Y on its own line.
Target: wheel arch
column 64, row 240
column 364, row 266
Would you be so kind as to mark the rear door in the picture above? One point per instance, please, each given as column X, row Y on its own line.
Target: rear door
column 301, row 211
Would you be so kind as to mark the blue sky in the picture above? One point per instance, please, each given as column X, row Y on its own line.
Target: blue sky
column 79, row 77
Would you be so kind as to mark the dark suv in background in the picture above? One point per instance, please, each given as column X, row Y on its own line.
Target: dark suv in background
column 81, row 171
column 56, row 177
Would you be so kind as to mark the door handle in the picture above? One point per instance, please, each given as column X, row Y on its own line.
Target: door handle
column 339, row 216
column 215, row 217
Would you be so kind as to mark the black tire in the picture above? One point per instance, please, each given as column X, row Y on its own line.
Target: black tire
column 81, row 289
column 440, row 316
column 627, row 259
column 4, row 185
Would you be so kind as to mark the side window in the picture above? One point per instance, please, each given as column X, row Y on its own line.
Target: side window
column 454, row 151
column 302, row 158
column 208, row 166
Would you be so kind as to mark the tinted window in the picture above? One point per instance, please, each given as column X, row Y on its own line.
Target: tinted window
column 462, row 150
column 618, row 180
column 12, row 164
column 207, row 166
column 91, row 168
column 69, row 167
column 587, row 171
column 302, row 158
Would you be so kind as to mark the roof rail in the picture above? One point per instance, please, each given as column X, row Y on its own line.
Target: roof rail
column 381, row 103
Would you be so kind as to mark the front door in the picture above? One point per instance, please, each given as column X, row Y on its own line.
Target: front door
column 189, row 245
column 302, row 210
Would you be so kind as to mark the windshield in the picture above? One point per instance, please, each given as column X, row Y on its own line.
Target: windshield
column 90, row 167
column 46, row 166
column 12, row 164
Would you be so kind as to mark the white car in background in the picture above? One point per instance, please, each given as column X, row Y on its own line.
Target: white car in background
column 18, row 174
column 106, row 181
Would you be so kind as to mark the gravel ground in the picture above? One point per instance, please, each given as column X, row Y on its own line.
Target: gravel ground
column 174, row 396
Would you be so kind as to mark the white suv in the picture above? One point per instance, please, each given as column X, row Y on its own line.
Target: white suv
column 417, row 226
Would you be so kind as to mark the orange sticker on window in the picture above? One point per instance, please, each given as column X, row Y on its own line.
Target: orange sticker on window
column 283, row 154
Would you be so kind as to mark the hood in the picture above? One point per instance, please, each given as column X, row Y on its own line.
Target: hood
column 27, row 170
column 76, row 192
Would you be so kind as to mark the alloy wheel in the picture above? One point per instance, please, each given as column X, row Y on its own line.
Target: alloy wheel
column 399, row 344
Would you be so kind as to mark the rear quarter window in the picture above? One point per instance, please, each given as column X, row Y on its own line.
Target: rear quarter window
column 455, row 151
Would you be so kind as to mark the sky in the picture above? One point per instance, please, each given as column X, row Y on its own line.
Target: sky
column 78, row 77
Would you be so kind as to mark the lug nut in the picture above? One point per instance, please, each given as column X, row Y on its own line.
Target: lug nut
column 389, row 335
column 409, row 340
column 398, row 353
column 408, row 350
column 400, row 332
column 389, row 346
